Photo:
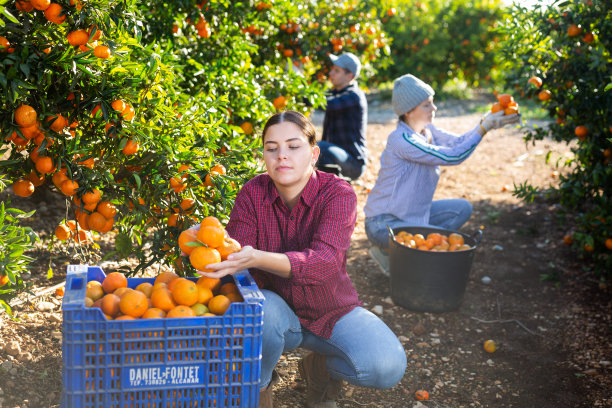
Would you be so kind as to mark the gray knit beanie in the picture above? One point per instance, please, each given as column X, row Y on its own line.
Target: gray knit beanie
column 408, row 92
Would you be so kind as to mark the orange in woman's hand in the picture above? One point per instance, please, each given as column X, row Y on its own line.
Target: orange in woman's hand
column 202, row 256
column 211, row 236
column 229, row 246
column 186, row 238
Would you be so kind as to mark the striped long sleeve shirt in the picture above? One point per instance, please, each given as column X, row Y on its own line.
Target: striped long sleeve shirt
column 409, row 170
column 315, row 235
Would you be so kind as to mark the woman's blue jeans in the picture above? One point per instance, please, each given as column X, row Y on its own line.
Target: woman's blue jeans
column 333, row 154
column 362, row 350
column 448, row 214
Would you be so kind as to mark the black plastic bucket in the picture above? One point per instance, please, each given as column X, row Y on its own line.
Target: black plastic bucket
column 427, row 281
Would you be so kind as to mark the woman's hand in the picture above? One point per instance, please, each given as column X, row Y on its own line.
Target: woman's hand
column 497, row 120
column 235, row 262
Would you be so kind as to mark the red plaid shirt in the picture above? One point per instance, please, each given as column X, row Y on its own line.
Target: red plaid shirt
column 315, row 235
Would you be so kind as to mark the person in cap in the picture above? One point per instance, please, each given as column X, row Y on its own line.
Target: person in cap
column 343, row 143
column 409, row 167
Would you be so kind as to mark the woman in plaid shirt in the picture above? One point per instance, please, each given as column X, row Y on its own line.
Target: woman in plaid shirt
column 295, row 225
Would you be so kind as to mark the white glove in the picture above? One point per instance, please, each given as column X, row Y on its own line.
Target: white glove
column 497, row 120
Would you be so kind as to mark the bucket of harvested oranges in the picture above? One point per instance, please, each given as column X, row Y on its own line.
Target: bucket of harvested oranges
column 430, row 267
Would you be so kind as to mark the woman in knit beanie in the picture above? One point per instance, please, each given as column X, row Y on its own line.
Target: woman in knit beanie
column 409, row 168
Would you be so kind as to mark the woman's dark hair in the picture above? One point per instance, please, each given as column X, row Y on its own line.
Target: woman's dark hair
column 297, row 119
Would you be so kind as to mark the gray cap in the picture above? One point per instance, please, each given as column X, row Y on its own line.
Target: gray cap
column 408, row 92
column 348, row 61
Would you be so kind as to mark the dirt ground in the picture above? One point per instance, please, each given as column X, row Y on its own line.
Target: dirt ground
column 553, row 335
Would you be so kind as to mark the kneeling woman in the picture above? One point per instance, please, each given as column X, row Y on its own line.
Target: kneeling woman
column 409, row 167
column 295, row 226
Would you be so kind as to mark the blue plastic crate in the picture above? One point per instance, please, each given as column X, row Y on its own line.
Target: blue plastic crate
column 171, row 362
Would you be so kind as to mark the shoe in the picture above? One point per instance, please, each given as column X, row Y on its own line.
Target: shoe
column 266, row 397
column 321, row 389
column 381, row 259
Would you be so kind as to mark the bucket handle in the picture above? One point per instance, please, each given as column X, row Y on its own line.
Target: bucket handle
column 391, row 233
column 477, row 236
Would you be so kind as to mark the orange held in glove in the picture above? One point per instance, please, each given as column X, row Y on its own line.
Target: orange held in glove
column 506, row 103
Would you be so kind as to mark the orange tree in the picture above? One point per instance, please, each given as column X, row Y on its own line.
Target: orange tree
column 441, row 40
column 15, row 240
column 561, row 56
column 142, row 116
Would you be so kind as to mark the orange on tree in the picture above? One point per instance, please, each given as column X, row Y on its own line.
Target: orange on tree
column 40, row 4
column 107, row 209
column 69, row 187
column 54, row 13
column 545, row 95
column 25, row 116
column 62, row 232
column 581, row 131
column 96, row 221
column 24, row 5
column 131, row 147
column 78, row 37
column 58, row 178
column 574, row 30
column 118, row 105
column 247, row 128
column 23, row 188
column 35, row 178
column 95, row 33
column 535, row 81
column 102, row 51
column 92, row 196
column 128, row 113
column 44, row 165
column 280, row 102
column 187, row 205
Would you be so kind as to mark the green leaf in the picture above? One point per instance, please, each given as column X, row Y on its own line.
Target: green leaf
column 49, row 273
column 10, row 16
column 123, row 244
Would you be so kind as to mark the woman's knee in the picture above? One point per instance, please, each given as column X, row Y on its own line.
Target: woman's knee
column 388, row 367
column 377, row 233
